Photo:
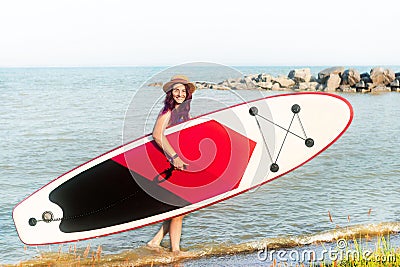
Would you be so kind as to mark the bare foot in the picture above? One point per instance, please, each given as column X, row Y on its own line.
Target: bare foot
column 153, row 246
column 180, row 253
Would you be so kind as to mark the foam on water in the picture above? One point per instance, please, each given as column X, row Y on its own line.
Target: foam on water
column 142, row 255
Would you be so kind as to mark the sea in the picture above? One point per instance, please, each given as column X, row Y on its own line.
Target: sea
column 54, row 119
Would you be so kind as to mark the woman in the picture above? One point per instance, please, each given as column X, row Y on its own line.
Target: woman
column 176, row 110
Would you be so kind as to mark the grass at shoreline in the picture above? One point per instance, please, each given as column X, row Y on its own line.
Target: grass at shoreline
column 359, row 254
column 352, row 252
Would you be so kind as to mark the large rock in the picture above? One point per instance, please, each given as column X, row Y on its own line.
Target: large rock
column 324, row 74
column 219, row 86
column 360, row 85
column 201, row 85
column 265, row 85
column 381, row 76
column 312, row 86
column 207, row 85
column 284, row 81
column 240, row 86
column 380, row 89
column 263, row 81
column 347, row 88
column 276, row 87
column 239, row 83
column 263, row 77
column 231, row 83
column 306, row 86
column 351, row 77
column 313, row 79
column 320, row 87
column 395, row 85
column 302, row 86
column 250, row 84
column 365, row 77
column 332, row 83
column 245, row 83
column 300, row 75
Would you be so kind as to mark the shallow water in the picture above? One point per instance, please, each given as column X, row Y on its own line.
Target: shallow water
column 55, row 119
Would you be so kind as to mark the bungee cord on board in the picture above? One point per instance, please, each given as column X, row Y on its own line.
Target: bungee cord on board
column 309, row 142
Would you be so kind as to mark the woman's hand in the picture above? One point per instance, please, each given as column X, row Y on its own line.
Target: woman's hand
column 179, row 164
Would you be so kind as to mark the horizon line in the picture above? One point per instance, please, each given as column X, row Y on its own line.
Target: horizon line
column 169, row 66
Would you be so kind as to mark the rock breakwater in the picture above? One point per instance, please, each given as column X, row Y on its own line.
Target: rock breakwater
column 333, row 79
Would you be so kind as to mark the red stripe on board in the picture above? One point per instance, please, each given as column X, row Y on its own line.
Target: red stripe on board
column 217, row 157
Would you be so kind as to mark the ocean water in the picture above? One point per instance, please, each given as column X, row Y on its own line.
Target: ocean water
column 53, row 119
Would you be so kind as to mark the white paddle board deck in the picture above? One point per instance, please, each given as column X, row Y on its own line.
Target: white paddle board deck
column 229, row 152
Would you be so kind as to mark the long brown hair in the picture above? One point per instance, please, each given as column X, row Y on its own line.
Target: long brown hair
column 181, row 113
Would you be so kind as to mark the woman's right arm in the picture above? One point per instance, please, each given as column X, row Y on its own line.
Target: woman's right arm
column 162, row 141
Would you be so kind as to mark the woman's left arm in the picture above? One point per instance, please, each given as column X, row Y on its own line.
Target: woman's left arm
column 162, row 141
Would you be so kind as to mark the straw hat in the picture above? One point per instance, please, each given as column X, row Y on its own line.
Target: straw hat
column 179, row 79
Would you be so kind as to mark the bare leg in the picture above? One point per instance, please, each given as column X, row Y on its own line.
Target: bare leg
column 175, row 231
column 155, row 242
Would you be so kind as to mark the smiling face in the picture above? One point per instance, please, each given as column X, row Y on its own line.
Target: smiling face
column 179, row 93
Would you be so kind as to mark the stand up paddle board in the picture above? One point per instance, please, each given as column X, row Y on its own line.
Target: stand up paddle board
column 229, row 151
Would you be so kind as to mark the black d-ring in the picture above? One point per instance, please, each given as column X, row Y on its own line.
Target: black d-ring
column 296, row 108
column 274, row 167
column 32, row 221
column 309, row 142
column 253, row 111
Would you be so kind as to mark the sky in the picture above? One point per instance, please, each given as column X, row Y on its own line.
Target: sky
column 59, row 33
